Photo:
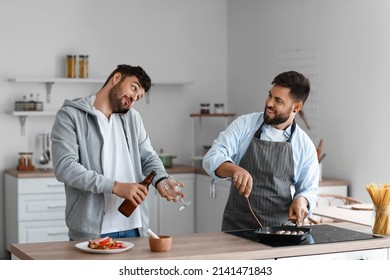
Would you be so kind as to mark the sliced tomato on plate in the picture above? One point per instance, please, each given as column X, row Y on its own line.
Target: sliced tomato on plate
column 117, row 245
column 101, row 240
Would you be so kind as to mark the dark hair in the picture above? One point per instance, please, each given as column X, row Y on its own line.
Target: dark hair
column 130, row 71
column 298, row 84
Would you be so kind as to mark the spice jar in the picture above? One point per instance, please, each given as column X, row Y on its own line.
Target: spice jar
column 25, row 161
column 71, row 66
column 83, row 66
column 219, row 108
column 205, row 108
column 22, row 162
column 29, row 157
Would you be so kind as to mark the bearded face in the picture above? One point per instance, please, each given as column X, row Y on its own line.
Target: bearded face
column 272, row 117
column 279, row 106
column 116, row 100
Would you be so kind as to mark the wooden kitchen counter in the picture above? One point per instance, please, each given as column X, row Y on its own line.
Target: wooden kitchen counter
column 215, row 245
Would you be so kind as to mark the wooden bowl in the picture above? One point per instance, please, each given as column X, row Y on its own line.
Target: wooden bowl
column 163, row 244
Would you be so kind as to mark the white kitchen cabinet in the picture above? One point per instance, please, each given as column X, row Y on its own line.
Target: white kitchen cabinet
column 34, row 210
column 207, row 219
column 329, row 186
column 222, row 190
column 210, row 203
column 165, row 217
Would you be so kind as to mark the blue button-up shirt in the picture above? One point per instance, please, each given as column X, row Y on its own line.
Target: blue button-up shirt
column 233, row 142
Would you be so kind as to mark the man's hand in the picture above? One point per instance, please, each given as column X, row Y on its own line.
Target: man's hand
column 166, row 189
column 241, row 178
column 298, row 210
column 134, row 192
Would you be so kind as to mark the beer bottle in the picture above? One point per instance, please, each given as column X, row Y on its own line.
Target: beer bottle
column 127, row 207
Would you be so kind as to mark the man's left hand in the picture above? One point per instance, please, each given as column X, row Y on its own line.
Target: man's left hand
column 298, row 210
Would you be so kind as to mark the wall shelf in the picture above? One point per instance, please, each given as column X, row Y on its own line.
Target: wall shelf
column 166, row 83
column 49, row 82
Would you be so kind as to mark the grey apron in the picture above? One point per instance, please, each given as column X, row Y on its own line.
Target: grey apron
column 271, row 166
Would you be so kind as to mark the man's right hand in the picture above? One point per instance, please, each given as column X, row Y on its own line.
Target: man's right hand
column 241, row 178
column 134, row 192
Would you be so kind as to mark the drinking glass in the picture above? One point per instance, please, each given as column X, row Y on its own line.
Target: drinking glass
column 173, row 189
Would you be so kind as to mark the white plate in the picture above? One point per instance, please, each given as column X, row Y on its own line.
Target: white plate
column 83, row 246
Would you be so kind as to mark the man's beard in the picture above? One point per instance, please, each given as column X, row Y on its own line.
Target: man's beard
column 278, row 119
column 116, row 103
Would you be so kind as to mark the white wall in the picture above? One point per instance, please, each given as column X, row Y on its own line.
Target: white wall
column 185, row 39
column 353, row 45
column 170, row 39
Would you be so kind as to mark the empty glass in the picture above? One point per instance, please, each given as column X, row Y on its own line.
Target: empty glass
column 174, row 191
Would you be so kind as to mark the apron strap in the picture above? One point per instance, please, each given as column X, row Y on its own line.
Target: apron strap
column 260, row 130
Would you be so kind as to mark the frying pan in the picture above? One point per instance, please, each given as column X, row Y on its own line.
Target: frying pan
column 270, row 234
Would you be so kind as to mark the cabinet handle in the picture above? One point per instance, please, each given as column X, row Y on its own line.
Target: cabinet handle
column 54, row 185
column 213, row 193
column 56, row 207
column 57, row 233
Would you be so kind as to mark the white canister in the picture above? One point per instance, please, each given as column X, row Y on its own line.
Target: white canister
column 219, row 108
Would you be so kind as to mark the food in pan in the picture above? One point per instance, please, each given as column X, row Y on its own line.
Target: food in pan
column 288, row 232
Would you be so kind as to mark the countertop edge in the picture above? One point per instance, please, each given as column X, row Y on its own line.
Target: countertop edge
column 219, row 246
column 176, row 169
column 49, row 172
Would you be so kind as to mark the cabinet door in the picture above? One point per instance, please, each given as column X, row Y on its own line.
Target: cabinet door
column 42, row 231
column 207, row 218
column 172, row 221
column 222, row 194
column 40, row 185
column 32, row 207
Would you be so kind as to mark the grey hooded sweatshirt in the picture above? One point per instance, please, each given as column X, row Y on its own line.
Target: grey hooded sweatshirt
column 77, row 160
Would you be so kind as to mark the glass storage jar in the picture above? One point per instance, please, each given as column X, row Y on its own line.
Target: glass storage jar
column 219, row 108
column 205, row 108
column 381, row 220
column 71, row 66
column 83, row 66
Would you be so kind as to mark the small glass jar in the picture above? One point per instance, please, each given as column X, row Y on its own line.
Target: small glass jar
column 219, row 108
column 83, row 66
column 205, row 108
column 22, row 161
column 29, row 157
column 71, row 66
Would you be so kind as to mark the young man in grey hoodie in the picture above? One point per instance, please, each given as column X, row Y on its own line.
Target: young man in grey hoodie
column 100, row 151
